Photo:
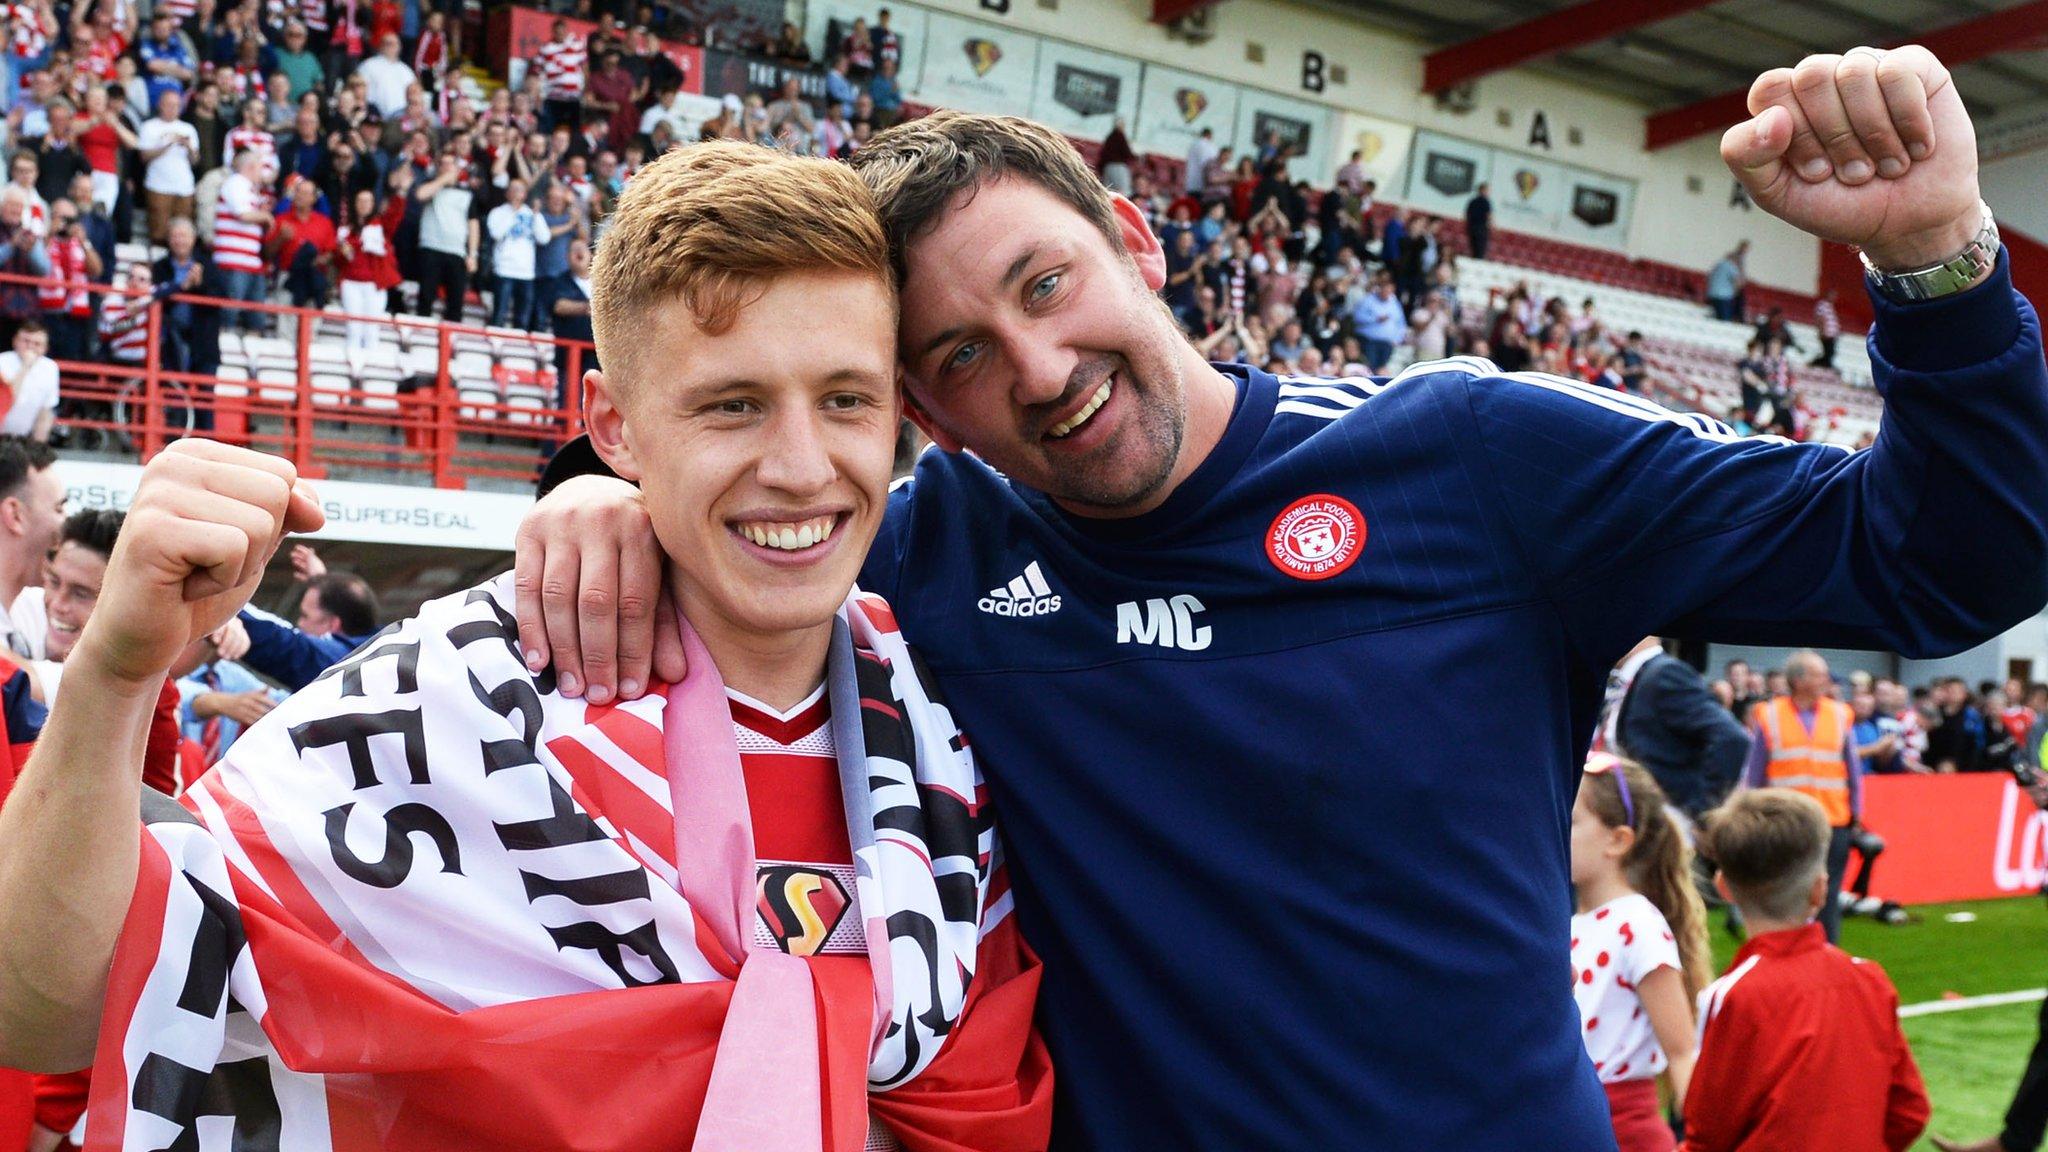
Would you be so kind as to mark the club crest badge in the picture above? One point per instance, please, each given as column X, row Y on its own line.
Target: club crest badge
column 1316, row 537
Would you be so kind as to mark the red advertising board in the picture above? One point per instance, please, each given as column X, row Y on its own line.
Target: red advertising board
column 518, row 33
column 1955, row 837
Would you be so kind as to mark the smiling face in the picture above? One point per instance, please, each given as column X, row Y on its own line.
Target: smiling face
column 765, row 461
column 71, row 586
column 1031, row 339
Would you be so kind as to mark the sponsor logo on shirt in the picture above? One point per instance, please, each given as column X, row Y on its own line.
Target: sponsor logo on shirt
column 800, row 906
column 1316, row 537
column 1025, row 595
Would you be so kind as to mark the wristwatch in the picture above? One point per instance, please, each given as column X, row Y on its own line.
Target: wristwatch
column 1943, row 279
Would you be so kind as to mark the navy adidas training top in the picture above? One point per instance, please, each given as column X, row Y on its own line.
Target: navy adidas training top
column 1285, row 767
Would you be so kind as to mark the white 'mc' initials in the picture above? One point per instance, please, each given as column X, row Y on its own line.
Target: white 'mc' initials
column 1167, row 623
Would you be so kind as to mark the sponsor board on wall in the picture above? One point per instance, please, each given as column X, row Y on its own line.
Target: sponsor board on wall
column 1304, row 125
column 1597, row 209
column 1174, row 107
column 736, row 74
column 977, row 67
column 1383, row 147
column 369, row 513
column 1083, row 92
column 1444, row 172
column 1529, row 193
column 907, row 22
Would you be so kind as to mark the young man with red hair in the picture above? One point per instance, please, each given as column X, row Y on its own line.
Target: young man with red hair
column 431, row 902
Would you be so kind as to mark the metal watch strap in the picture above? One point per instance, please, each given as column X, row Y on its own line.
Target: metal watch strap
column 1943, row 279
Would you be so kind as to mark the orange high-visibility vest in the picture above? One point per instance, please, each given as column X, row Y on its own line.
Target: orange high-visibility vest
column 1809, row 762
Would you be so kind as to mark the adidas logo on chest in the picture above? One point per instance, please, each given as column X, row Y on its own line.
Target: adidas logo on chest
column 1025, row 595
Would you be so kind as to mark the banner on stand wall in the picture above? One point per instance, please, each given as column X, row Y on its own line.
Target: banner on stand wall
column 738, row 73
column 1382, row 146
column 1597, row 210
column 1174, row 107
column 908, row 23
column 1529, row 194
column 976, row 67
column 1444, row 172
column 1304, row 125
column 364, row 512
column 1082, row 92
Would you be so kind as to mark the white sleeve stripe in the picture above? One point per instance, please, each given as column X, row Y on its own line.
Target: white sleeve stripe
column 1464, row 365
column 1360, row 385
column 1333, row 395
column 1301, row 409
column 1716, row 994
column 1642, row 410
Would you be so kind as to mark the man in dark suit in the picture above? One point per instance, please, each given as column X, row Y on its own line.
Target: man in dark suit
column 1479, row 222
column 1666, row 720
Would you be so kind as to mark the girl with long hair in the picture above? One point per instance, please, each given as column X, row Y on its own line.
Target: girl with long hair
column 1639, row 945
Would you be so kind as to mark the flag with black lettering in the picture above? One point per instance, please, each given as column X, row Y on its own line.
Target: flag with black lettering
column 430, row 903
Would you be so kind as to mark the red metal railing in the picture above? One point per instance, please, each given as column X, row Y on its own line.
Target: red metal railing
column 403, row 416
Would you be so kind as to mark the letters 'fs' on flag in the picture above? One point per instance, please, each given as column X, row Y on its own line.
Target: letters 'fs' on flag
column 430, row 903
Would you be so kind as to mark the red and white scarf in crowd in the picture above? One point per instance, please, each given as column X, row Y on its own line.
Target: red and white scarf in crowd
column 430, row 903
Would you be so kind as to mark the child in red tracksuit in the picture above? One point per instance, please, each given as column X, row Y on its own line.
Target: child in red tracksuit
column 1800, row 1045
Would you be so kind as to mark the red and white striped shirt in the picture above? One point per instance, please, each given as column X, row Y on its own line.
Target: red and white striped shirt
column 238, row 244
column 561, row 68
column 67, row 263
column 1826, row 319
column 239, row 83
column 124, row 324
column 244, row 137
column 313, row 13
column 25, row 36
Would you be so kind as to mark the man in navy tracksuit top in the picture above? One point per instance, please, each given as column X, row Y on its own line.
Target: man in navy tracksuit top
column 1283, row 684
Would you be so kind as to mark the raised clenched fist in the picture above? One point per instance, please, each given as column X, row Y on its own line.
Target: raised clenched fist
column 205, row 521
column 1872, row 147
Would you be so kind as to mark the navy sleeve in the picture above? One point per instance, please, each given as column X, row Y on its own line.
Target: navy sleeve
column 285, row 654
column 1633, row 520
column 882, row 572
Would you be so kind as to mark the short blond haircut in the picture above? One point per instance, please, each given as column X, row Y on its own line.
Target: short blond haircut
column 712, row 224
column 1769, row 844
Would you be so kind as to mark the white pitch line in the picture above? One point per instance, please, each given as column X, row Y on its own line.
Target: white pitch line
column 1965, row 1003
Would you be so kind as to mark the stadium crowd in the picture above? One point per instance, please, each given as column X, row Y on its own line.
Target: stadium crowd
column 318, row 153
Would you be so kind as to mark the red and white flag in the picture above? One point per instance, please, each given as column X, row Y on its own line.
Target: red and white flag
column 430, row 903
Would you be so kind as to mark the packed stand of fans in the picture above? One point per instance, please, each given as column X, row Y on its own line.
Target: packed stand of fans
column 1265, row 268
column 317, row 153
